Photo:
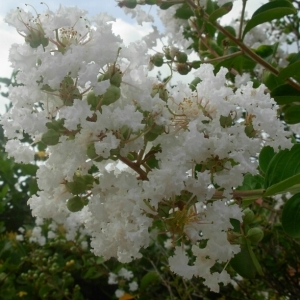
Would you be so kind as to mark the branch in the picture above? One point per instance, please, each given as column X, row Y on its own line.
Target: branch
column 135, row 167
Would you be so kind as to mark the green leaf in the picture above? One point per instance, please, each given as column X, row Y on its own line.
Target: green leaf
column 45, row 290
column 265, row 51
column 285, row 94
column 220, row 12
column 291, row 216
column 50, row 138
column 150, row 278
column 226, row 121
column 236, row 224
column 92, row 273
column 243, row 264
column 240, row 63
column 111, row 95
column 265, row 156
column 283, row 171
column 282, row 185
column 251, row 182
column 270, row 80
column 194, row 83
column 79, row 184
column 292, row 70
column 268, row 12
column 91, row 153
column 56, row 124
column 184, row 12
column 292, row 114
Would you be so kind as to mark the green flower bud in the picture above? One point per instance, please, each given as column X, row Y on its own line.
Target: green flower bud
column 181, row 57
column 183, row 69
column 75, row 204
column 157, row 60
column 248, row 216
column 255, row 235
column 51, row 137
column 116, row 78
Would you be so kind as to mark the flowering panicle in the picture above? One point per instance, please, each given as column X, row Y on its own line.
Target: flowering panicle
column 124, row 149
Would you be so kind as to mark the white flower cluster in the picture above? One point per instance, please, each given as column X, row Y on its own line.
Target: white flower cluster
column 125, row 149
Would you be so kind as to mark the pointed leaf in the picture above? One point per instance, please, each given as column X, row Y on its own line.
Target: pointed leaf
column 265, row 156
column 292, row 114
column 292, row 70
column 243, row 264
column 251, row 182
column 268, row 12
column 220, row 12
column 184, row 12
column 285, row 94
column 291, row 216
column 283, row 171
column 282, row 185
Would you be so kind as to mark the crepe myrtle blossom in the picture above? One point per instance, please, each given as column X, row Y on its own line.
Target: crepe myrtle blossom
column 124, row 149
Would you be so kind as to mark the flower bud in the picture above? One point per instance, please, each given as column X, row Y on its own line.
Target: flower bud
column 75, row 204
column 116, row 78
column 255, row 235
column 183, row 69
column 248, row 216
column 181, row 57
column 157, row 60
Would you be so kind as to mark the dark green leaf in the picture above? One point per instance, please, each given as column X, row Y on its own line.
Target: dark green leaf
column 265, row 156
column 285, row 94
column 242, row 264
column 44, row 291
column 220, row 12
column 184, row 12
column 292, row 114
column 268, row 12
column 292, row 70
column 252, row 182
column 283, row 171
column 291, row 216
column 265, row 51
column 270, row 80
column 221, row 37
column 150, row 278
column 50, row 138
